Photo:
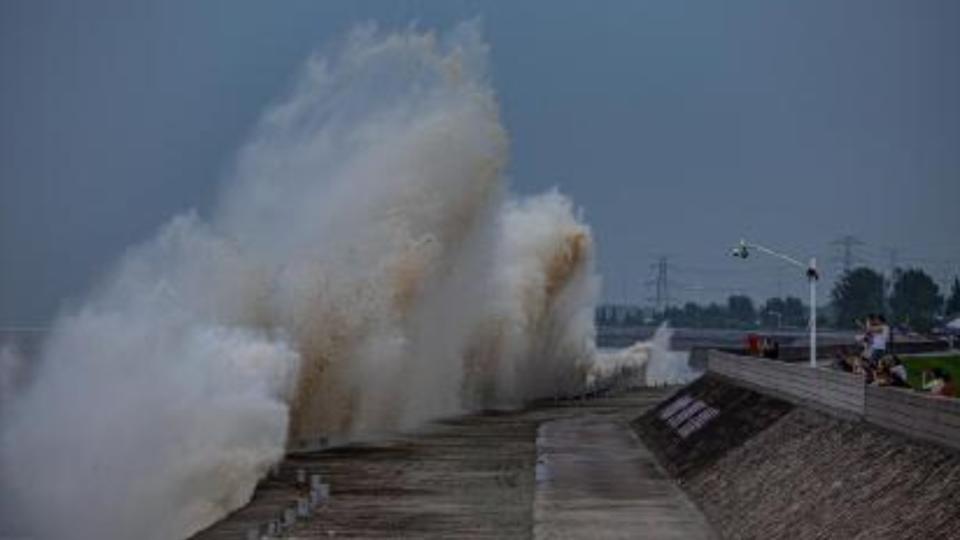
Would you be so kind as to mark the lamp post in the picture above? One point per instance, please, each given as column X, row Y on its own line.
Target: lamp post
column 742, row 250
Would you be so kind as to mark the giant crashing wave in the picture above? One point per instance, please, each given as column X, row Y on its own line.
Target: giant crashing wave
column 365, row 269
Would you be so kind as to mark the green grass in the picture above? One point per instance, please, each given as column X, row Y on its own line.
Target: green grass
column 918, row 364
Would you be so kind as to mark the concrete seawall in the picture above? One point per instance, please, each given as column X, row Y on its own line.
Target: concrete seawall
column 931, row 418
column 765, row 459
column 834, row 392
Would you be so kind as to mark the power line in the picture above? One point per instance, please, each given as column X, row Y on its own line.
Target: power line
column 894, row 261
column 849, row 243
column 662, row 284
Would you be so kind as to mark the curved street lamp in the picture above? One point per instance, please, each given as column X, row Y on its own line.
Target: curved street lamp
column 742, row 250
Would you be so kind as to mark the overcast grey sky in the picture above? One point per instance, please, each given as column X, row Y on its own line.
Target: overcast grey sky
column 678, row 126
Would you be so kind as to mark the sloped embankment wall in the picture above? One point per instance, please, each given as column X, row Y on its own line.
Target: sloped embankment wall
column 915, row 414
column 761, row 467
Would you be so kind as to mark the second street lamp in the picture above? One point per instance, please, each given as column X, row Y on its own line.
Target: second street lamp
column 742, row 250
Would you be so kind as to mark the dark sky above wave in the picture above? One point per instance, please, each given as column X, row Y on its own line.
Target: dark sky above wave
column 678, row 126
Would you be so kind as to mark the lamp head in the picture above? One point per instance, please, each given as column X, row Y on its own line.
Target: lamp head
column 740, row 250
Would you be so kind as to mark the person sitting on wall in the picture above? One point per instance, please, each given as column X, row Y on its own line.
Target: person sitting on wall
column 940, row 383
column 844, row 360
column 771, row 349
column 898, row 373
column 891, row 372
column 850, row 361
column 858, row 366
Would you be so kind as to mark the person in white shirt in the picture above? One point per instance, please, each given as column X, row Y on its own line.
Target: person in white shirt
column 898, row 374
column 879, row 336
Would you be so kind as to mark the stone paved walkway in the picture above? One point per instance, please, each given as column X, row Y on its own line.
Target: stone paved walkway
column 474, row 477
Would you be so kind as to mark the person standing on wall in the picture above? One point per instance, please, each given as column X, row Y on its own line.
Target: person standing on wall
column 879, row 338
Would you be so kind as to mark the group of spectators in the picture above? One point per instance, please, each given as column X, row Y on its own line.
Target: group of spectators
column 881, row 367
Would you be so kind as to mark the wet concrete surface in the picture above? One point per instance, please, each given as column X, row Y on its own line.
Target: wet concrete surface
column 595, row 479
column 475, row 477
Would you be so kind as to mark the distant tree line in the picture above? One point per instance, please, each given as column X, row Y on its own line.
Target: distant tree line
column 738, row 312
column 913, row 300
